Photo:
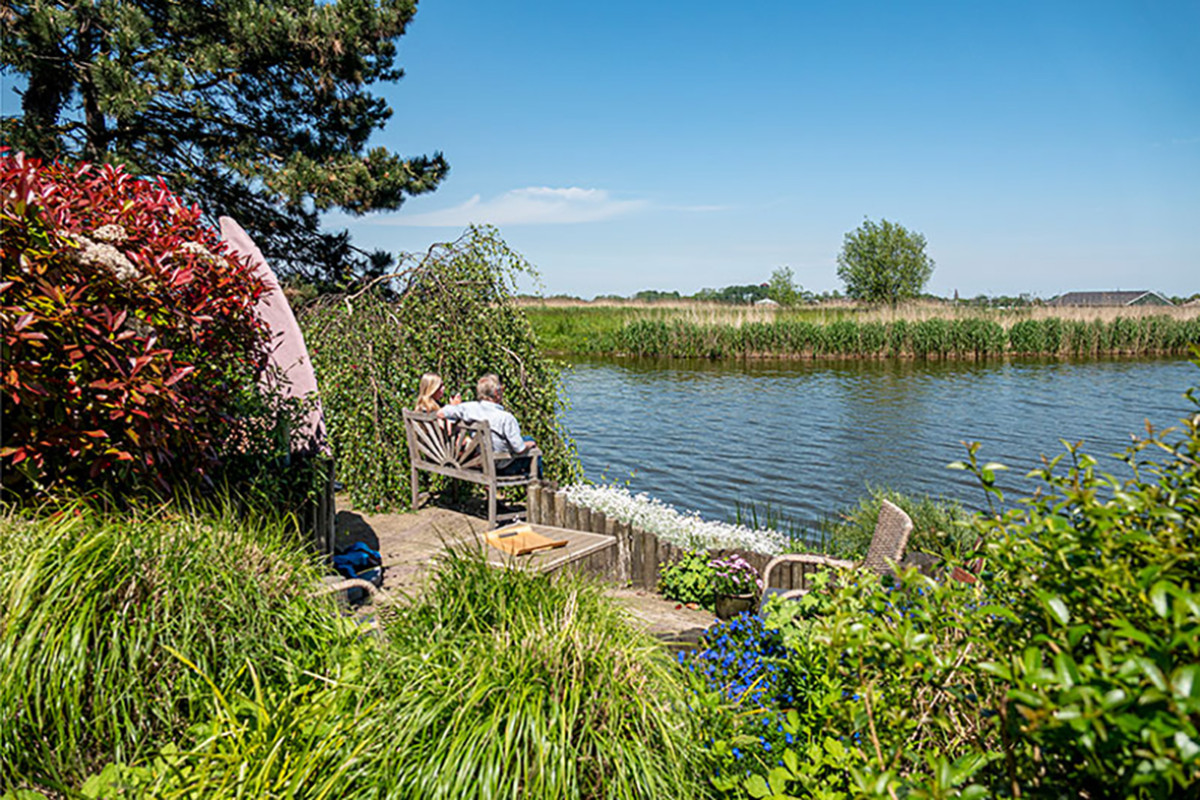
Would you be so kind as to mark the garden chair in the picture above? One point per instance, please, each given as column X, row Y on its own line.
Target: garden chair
column 888, row 543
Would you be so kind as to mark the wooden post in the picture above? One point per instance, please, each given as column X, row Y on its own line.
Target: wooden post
column 325, row 512
column 560, row 509
column 533, row 503
column 621, row 566
column 599, row 522
column 636, row 556
column 649, row 559
column 583, row 518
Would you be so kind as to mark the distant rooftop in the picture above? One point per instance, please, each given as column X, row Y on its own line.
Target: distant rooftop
column 1135, row 298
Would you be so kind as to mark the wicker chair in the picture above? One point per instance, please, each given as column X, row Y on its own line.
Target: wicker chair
column 892, row 530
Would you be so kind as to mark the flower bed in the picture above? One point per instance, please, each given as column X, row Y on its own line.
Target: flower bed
column 683, row 529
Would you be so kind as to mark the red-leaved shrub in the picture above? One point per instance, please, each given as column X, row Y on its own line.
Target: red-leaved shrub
column 128, row 331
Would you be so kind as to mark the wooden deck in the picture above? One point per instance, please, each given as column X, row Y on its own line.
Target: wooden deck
column 411, row 543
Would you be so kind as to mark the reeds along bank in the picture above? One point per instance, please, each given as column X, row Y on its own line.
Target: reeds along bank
column 935, row 337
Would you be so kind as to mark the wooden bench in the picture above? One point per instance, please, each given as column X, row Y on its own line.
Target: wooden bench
column 460, row 450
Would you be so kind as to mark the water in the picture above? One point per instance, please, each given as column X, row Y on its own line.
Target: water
column 808, row 437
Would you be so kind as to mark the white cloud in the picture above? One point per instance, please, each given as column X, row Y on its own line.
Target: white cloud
column 530, row 206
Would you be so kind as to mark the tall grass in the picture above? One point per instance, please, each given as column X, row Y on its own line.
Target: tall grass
column 920, row 330
column 933, row 338
column 508, row 684
column 90, row 604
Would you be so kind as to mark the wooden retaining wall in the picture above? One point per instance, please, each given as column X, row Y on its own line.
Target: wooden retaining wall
column 639, row 553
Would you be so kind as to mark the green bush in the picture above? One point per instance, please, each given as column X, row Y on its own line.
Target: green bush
column 129, row 332
column 450, row 312
column 688, row 580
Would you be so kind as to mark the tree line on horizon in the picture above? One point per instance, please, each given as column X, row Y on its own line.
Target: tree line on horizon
column 748, row 294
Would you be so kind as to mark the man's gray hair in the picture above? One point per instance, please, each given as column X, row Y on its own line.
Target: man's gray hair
column 488, row 387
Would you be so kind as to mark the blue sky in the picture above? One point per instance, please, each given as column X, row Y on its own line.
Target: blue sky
column 1040, row 147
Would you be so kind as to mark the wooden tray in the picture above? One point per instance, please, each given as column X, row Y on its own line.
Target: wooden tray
column 520, row 540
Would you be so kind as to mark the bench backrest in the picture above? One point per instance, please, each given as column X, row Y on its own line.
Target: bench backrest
column 460, row 449
column 887, row 547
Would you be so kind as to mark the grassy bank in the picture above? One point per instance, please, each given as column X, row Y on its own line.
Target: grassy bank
column 922, row 331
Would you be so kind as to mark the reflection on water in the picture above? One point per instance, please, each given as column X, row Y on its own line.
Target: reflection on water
column 807, row 436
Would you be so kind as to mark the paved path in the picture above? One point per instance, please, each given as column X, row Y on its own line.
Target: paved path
column 410, row 543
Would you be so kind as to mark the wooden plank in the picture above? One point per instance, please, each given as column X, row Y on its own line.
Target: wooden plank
column 599, row 522
column 584, row 518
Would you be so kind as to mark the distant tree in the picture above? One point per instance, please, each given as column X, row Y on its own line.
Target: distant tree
column 749, row 293
column 651, row 295
column 883, row 263
column 255, row 110
column 736, row 294
column 782, row 287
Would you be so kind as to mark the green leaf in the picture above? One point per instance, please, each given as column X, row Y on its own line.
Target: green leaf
column 1055, row 606
column 1188, row 749
column 757, row 786
column 1184, row 683
column 1159, row 599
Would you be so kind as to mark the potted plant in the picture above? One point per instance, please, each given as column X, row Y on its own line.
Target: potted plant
column 735, row 586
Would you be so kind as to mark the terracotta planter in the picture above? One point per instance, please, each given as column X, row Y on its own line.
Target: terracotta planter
column 729, row 606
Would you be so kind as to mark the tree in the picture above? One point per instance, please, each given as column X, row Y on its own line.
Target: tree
column 884, row 263
column 782, row 287
column 258, row 110
column 451, row 310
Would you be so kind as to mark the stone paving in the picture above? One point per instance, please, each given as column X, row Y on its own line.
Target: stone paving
column 410, row 543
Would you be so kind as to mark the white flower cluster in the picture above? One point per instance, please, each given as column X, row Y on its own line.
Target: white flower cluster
column 110, row 234
column 99, row 254
column 687, row 530
column 198, row 250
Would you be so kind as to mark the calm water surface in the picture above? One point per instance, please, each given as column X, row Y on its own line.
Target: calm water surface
column 807, row 437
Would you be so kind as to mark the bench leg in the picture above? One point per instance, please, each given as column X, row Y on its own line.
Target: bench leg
column 416, row 490
column 491, row 507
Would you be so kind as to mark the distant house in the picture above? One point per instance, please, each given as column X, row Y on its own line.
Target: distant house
column 1139, row 298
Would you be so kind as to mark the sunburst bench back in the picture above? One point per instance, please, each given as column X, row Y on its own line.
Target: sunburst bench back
column 460, row 450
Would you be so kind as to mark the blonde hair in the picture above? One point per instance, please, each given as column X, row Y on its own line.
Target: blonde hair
column 488, row 387
column 430, row 383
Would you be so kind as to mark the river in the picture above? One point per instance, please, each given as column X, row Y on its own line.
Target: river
column 807, row 437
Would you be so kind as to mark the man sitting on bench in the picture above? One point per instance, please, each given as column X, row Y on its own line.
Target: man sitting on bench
column 507, row 442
